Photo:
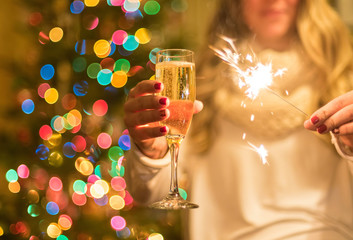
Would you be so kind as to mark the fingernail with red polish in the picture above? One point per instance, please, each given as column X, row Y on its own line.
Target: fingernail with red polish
column 322, row 128
column 163, row 101
column 158, row 86
column 163, row 129
column 162, row 113
column 314, row 120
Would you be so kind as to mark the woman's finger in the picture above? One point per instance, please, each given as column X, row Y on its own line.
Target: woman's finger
column 142, row 133
column 145, row 87
column 146, row 103
column 320, row 116
column 344, row 129
column 338, row 119
column 198, row 106
column 144, row 117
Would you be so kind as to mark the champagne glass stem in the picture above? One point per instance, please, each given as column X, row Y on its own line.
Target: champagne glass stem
column 174, row 152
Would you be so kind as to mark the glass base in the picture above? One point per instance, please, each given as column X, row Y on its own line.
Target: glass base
column 173, row 202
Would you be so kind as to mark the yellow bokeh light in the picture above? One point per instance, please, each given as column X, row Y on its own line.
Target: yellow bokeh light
column 104, row 185
column 33, row 196
column 54, row 230
column 97, row 191
column 116, row 202
column 77, row 114
column 1, row 231
column 51, row 95
column 55, row 139
column 102, row 48
column 155, row 236
column 65, row 222
column 72, row 120
column 55, row 159
column 56, row 34
column 119, row 79
column 78, row 162
column 143, row 35
column 86, row 168
column 91, row 3
column 14, row 187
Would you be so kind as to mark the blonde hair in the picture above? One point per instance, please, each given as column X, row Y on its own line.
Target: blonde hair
column 323, row 36
column 327, row 42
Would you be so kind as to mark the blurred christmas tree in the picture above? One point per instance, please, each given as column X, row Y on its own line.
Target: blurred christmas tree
column 63, row 154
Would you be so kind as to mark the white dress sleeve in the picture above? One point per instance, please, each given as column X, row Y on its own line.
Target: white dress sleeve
column 147, row 179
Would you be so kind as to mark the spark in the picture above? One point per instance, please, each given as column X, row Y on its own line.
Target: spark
column 253, row 75
column 261, row 150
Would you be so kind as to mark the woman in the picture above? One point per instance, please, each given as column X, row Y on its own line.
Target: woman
column 306, row 190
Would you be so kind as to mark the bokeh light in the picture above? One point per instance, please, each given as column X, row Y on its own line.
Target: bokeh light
column 118, row 223
column 11, row 175
column 42, row 89
column 122, row 65
column 55, row 159
column 80, row 47
column 143, row 35
column 54, row 230
column 77, row 7
column 155, row 236
column 151, row 7
column 51, row 95
column 65, row 222
column 22, row 171
column 93, row 69
column 80, row 88
column 115, row 153
column 28, row 106
column 104, row 77
column 47, row 72
column 131, row 5
column 45, row 132
column 79, row 64
column 34, row 210
column 52, row 208
column 90, row 21
column 131, row 43
column 91, row 3
column 14, row 187
column 55, row 184
column 116, row 202
column 104, row 140
column 102, row 48
column 119, row 79
column 42, row 152
column 119, row 36
column 100, row 107
column 153, row 54
column 56, row 34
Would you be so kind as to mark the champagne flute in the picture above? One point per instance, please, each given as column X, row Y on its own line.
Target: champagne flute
column 175, row 68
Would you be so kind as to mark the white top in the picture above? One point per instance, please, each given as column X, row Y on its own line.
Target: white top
column 298, row 195
column 304, row 192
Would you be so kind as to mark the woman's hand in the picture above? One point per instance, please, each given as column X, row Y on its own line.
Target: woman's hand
column 335, row 116
column 143, row 111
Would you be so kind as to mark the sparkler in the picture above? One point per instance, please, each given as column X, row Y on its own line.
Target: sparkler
column 253, row 75
column 261, row 150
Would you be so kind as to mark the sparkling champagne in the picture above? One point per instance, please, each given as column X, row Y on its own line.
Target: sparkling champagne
column 179, row 86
